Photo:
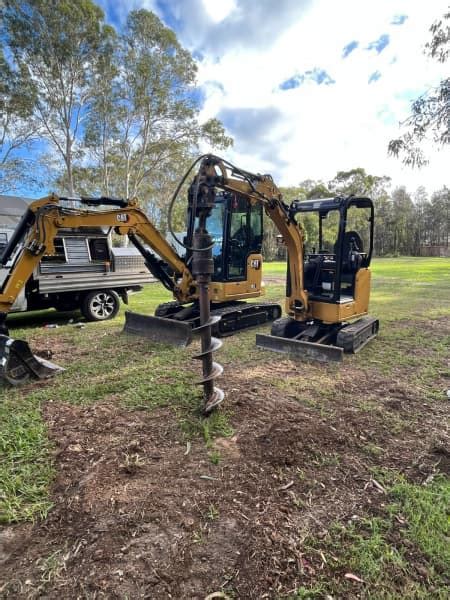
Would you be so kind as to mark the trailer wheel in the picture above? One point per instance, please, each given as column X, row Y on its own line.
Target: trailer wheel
column 100, row 305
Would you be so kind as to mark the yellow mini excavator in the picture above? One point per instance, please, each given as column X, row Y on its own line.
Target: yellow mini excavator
column 328, row 285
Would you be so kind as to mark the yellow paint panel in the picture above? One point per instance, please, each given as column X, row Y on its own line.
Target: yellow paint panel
column 339, row 313
column 238, row 290
column 362, row 290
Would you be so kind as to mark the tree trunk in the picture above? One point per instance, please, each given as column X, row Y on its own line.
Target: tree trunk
column 68, row 161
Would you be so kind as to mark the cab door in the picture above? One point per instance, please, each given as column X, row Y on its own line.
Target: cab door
column 244, row 236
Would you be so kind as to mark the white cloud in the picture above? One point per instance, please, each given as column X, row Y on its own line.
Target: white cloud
column 250, row 47
column 218, row 11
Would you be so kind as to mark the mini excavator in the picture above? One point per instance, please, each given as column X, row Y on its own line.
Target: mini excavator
column 327, row 292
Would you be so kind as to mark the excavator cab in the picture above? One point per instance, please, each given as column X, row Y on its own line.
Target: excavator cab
column 340, row 246
column 236, row 227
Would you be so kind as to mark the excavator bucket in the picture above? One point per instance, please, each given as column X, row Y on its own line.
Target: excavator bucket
column 298, row 349
column 158, row 329
column 18, row 364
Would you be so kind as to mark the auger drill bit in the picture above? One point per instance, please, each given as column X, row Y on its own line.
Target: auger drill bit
column 202, row 268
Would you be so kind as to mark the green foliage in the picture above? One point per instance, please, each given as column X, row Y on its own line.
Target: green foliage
column 359, row 183
column 430, row 113
column 143, row 126
column 115, row 108
column 402, row 225
column 54, row 47
column 25, row 463
column 17, row 100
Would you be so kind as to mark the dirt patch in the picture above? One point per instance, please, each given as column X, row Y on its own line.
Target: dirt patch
column 139, row 514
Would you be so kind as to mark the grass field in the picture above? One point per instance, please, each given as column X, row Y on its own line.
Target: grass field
column 312, row 481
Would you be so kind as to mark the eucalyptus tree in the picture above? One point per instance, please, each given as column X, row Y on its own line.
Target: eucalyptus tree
column 358, row 182
column 404, row 222
column 54, row 47
column 430, row 113
column 16, row 136
column 440, row 211
column 146, row 113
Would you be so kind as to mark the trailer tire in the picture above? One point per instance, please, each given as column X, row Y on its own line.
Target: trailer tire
column 100, row 305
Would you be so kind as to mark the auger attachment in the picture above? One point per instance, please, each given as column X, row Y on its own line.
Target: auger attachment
column 177, row 333
column 202, row 268
column 212, row 395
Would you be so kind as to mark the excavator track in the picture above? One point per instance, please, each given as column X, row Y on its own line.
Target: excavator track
column 234, row 317
column 353, row 337
column 318, row 342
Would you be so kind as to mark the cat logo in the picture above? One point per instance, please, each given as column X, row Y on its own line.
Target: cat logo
column 122, row 217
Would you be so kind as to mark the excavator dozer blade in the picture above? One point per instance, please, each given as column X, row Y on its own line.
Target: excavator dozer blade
column 158, row 329
column 297, row 349
column 18, row 364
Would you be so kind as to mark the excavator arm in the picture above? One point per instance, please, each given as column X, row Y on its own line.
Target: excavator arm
column 45, row 218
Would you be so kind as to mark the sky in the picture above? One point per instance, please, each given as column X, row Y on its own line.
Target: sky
column 309, row 87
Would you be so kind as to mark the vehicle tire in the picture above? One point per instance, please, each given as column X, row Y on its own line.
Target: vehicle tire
column 100, row 305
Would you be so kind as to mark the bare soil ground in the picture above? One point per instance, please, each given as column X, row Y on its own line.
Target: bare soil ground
column 140, row 513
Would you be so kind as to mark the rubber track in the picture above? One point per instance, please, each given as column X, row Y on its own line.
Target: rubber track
column 241, row 310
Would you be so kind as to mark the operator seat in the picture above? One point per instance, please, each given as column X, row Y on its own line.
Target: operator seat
column 352, row 249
